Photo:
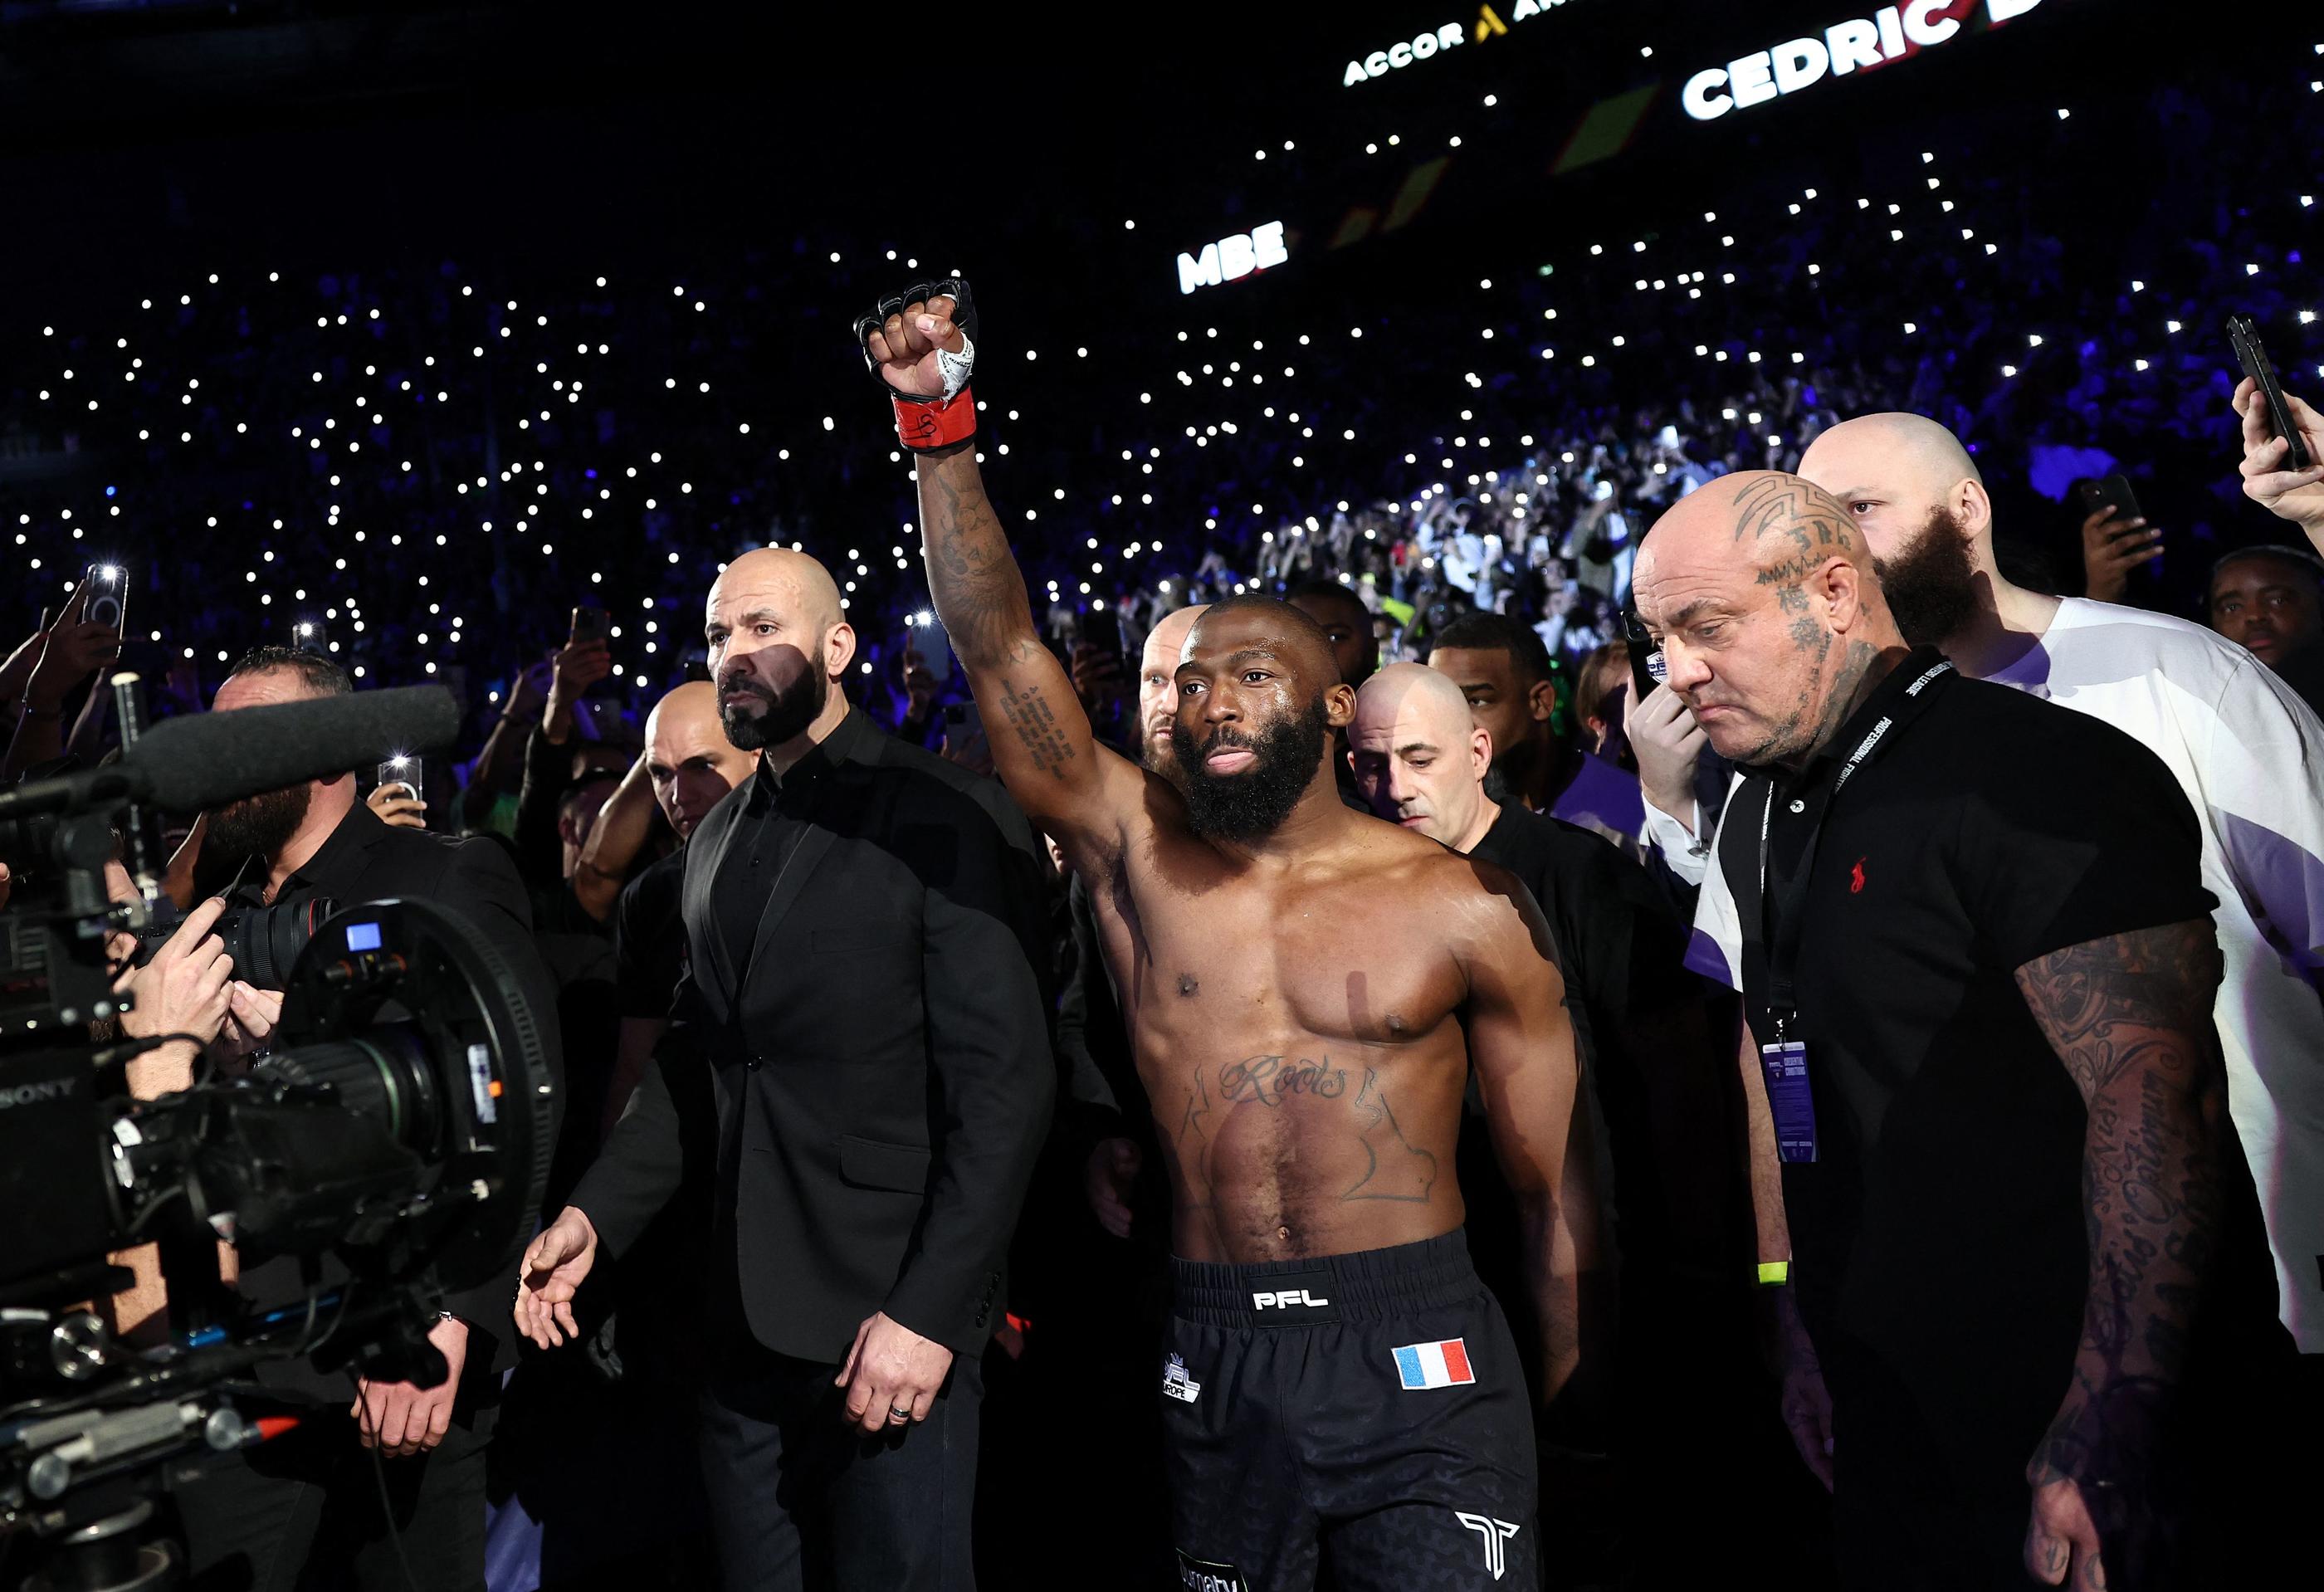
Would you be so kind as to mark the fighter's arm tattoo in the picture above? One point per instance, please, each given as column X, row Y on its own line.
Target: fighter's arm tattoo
column 1042, row 745
column 978, row 590
column 2130, row 1018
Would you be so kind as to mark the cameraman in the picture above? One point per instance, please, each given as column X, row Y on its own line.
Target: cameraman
column 307, row 1499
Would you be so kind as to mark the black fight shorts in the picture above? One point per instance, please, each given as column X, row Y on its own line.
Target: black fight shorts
column 1366, row 1411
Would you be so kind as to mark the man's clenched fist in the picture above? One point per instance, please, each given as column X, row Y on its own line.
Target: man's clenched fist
column 921, row 344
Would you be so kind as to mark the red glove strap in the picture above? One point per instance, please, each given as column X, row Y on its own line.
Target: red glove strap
column 925, row 426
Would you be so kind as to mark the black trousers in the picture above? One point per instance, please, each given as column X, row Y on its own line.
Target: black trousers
column 800, row 1502
column 302, row 1514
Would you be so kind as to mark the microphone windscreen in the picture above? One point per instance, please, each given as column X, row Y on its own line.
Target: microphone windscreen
column 203, row 761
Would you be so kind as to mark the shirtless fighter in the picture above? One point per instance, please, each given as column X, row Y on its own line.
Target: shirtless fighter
column 1306, row 988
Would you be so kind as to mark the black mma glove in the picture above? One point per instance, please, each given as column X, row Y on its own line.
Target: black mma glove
column 925, row 369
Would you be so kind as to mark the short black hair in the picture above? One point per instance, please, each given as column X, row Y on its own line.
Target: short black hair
column 1497, row 632
column 1298, row 621
column 1322, row 587
column 2308, row 563
column 317, row 673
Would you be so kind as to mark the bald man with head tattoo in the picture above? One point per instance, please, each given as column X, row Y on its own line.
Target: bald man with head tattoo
column 2005, row 1219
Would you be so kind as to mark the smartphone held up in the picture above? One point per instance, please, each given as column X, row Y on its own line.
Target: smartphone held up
column 403, row 772
column 108, row 597
column 2252, row 355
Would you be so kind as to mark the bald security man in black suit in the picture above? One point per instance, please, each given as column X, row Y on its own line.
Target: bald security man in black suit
column 860, row 1057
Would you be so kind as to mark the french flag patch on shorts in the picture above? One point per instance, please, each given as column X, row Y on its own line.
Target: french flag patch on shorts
column 1433, row 1364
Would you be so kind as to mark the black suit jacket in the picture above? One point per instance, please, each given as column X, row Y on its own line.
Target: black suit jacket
column 872, row 1085
column 367, row 860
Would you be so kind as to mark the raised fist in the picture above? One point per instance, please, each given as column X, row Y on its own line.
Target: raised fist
column 921, row 346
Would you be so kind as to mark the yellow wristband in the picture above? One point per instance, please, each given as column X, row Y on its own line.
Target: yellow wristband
column 1775, row 1273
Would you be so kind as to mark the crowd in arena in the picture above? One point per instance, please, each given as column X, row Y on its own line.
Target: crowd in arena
column 583, row 506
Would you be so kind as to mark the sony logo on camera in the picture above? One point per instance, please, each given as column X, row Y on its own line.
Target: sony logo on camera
column 34, row 1094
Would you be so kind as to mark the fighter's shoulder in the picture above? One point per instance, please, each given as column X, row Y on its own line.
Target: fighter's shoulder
column 1448, row 881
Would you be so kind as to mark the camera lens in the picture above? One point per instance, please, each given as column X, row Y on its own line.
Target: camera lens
column 384, row 1075
column 265, row 941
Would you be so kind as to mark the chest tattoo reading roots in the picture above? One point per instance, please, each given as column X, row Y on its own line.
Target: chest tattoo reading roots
column 1394, row 1169
column 1036, row 728
column 1269, row 1080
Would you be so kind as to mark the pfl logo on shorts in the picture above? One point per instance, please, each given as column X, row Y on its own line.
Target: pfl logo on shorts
column 1288, row 1298
column 1497, row 1534
column 1177, row 1385
column 1299, row 1299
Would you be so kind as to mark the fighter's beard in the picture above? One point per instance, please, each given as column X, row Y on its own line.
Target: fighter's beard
column 1244, row 807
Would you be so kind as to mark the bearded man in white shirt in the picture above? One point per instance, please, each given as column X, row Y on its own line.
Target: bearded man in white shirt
column 2249, row 754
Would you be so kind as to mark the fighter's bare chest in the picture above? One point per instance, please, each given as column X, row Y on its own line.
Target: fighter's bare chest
column 1247, row 960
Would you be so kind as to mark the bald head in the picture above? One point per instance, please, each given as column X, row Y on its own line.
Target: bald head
column 1167, row 639
column 1419, row 755
column 1897, row 476
column 682, row 713
column 780, row 644
column 689, row 756
column 1777, row 527
column 1158, row 686
column 1412, row 693
column 1912, row 443
column 812, row 593
column 1769, row 610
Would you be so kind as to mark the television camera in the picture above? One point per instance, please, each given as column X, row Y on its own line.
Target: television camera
column 395, row 1140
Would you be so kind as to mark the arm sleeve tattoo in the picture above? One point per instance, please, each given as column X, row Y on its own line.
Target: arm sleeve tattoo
column 2130, row 1018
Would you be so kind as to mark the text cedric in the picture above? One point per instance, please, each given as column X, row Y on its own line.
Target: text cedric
column 1891, row 34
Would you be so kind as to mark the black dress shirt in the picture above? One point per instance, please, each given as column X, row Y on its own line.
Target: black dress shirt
column 777, row 811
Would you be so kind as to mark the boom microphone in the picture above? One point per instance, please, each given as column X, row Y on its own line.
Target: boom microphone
column 203, row 760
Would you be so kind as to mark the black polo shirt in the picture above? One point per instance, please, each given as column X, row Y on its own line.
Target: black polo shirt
column 778, row 810
column 1941, row 1228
